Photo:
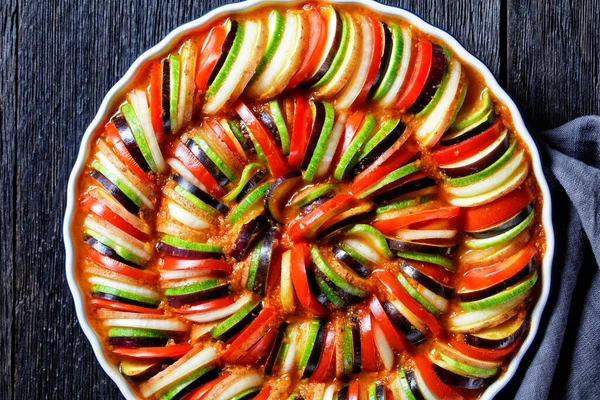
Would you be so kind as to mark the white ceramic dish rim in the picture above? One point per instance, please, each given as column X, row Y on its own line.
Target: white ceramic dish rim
column 245, row 6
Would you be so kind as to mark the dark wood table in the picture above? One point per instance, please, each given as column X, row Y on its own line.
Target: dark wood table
column 58, row 60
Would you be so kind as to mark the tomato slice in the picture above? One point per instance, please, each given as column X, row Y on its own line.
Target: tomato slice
column 258, row 350
column 386, row 164
column 174, row 351
column 389, row 330
column 264, row 393
column 484, row 277
column 434, row 210
column 250, row 335
column 208, row 305
column 445, row 155
column 312, row 54
column 438, row 273
column 218, row 129
column 118, row 306
column 418, row 76
column 309, row 224
column 391, row 283
column 353, row 390
column 488, row 215
column 377, row 33
column 104, row 212
column 299, row 257
column 367, row 344
column 125, row 155
column 200, row 393
column 267, row 144
column 439, row 388
column 156, row 101
column 483, row 354
column 209, row 56
column 181, row 151
column 353, row 124
column 119, row 267
column 327, row 357
column 300, row 131
column 175, row 263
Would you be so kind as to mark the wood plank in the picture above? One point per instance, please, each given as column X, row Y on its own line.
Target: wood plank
column 553, row 68
column 9, row 20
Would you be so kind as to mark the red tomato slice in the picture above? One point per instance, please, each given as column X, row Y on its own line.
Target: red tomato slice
column 200, row 393
column 401, row 220
column 267, row 144
column 309, row 224
column 250, row 335
column 119, row 267
column 264, row 393
column 118, row 306
column 367, row 344
column 300, row 131
column 221, row 142
column 327, row 357
column 377, row 33
column 436, row 272
column 218, row 129
column 390, row 331
column 353, row 124
column 174, row 351
column 258, row 350
column 318, row 32
column 175, row 263
column 418, row 76
column 299, row 257
column 156, row 101
column 125, row 156
column 205, row 305
column 180, row 150
column 445, row 155
column 391, row 283
column 104, row 212
column 437, row 387
column 381, row 168
column 484, row 277
column 209, row 56
column 483, row 354
column 488, row 215
column 353, row 390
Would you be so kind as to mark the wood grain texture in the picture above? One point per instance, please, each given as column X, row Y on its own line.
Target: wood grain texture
column 58, row 60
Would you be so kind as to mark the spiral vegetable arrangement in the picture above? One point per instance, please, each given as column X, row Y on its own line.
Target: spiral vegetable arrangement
column 311, row 203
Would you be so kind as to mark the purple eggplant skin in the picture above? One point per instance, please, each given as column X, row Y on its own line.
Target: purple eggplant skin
column 201, row 194
column 210, row 166
column 357, row 363
column 225, row 48
column 453, row 379
column 185, row 253
column 497, row 288
column 345, row 296
column 107, row 251
column 277, row 194
column 314, row 287
column 315, row 133
column 336, row 228
column 115, row 192
column 251, row 184
column 234, row 330
column 148, row 372
column 511, row 223
column 379, row 149
column 411, row 333
column 202, row 295
column 272, row 357
column 332, row 53
column 166, row 97
column 385, row 59
column 264, row 261
column 473, row 132
column 414, row 386
column 399, row 245
column 135, row 342
column 350, row 262
column 379, row 391
column 431, row 284
column 391, row 195
column 480, row 164
column 129, row 141
column 247, row 235
column 476, row 341
column 268, row 122
column 436, row 73
column 343, row 393
column 316, row 203
column 315, row 354
column 123, row 300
